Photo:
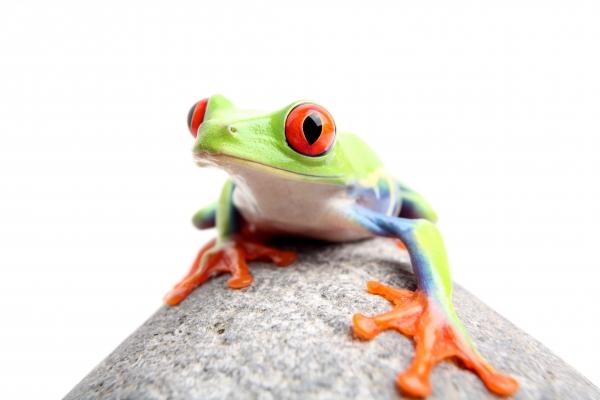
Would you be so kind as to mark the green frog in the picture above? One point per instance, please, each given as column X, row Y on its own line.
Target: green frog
column 292, row 173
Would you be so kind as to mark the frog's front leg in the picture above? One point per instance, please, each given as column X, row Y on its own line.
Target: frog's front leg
column 427, row 315
column 227, row 253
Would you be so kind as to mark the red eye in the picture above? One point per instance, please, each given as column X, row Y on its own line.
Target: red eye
column 310, row 130
column 196, row 116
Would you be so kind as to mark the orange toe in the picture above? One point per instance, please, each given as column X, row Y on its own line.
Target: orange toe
column 176, row 295
column 501, row 384
column 413, row 385
column 364, row 327
column 240, row 282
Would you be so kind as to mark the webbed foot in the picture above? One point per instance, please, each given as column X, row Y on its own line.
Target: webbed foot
column 436, row 336
column 229, row 257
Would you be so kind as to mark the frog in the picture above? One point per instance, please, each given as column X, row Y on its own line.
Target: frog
column 291, row 173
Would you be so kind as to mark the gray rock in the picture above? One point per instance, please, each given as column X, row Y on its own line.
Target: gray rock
column 288, row 336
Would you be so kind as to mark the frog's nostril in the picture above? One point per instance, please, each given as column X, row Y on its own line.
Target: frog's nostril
column 196, row 116
column 232, row 129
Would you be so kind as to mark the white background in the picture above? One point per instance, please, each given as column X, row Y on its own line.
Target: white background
column 491, row 109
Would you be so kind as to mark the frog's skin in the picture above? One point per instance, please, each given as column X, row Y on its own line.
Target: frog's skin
column 291, row 173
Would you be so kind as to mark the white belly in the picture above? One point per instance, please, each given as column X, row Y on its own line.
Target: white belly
column 278, row 205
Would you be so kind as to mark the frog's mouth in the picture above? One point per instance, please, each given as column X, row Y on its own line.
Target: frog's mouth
column 235, row 166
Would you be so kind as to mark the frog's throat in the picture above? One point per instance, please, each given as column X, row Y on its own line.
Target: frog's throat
column 232, row 164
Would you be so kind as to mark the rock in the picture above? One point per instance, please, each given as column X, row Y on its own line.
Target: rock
column 289, row 336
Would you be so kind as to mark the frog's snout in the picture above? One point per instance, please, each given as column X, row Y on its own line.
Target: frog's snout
column 196, row 116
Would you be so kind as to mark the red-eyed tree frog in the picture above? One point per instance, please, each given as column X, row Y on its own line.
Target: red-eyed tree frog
column 292, row 173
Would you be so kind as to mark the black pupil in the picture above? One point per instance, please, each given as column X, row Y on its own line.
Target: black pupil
column 312, row 127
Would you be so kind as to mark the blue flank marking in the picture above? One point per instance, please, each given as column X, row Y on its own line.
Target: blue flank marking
column 378, row 198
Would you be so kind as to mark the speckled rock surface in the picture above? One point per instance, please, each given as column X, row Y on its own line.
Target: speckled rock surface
column 288, row 336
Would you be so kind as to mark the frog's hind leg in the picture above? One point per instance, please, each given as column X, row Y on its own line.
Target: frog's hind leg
column 427, row 314
column 227, row 253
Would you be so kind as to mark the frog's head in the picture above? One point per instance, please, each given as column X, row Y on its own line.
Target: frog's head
column 298, row 140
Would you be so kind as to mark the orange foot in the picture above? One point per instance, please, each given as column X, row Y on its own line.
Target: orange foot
column 230, row 257
column 436, row 339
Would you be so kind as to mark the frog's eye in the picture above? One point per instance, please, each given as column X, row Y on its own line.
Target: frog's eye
column 310, row 130
column 196, row 116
